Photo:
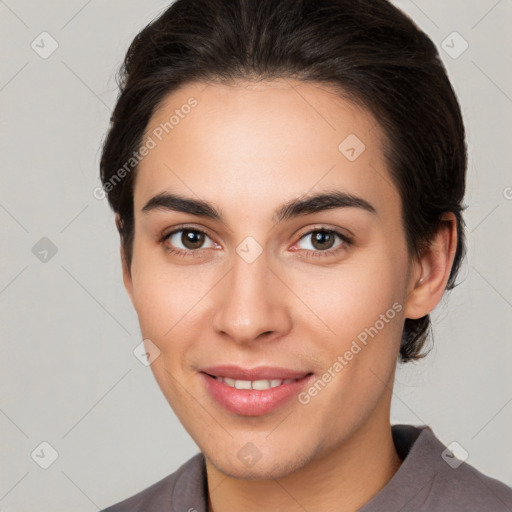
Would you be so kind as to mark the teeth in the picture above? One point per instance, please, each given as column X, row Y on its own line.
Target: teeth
column 242, row 384
column 254, row 384
column 265, row 384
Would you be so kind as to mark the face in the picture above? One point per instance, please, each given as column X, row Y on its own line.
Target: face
column 319, row 289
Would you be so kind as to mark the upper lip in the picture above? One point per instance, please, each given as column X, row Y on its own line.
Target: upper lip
column 259, row 373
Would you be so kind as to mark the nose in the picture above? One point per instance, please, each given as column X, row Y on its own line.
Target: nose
column 252, row 303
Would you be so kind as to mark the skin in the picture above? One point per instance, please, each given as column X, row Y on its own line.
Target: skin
column 248, row 149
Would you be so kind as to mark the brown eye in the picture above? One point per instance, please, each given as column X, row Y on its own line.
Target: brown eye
column 192, row 239
column 322, row 240
column 187, row 240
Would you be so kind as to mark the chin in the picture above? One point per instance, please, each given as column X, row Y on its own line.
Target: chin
column 266, row 468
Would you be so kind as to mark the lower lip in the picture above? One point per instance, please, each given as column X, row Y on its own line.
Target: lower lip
column 252, row 402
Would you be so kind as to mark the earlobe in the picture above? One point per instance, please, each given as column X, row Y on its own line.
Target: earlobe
column 127, row 276
column 432, row 270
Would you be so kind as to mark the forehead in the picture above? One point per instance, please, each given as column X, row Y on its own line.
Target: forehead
column 262, row 143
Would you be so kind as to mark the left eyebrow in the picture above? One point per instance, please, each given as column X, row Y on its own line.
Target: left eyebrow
column 321, row 202
column 294, row 208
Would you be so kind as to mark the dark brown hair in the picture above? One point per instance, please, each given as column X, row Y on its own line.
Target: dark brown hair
column 368, row 50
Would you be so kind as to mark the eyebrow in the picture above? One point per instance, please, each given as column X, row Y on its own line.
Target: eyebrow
column 294, row 208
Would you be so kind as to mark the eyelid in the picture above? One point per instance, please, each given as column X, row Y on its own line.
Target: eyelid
column 346, row 239
column 184, row 227
column 322, row 227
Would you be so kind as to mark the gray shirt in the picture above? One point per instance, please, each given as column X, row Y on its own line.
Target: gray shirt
column 429, row 480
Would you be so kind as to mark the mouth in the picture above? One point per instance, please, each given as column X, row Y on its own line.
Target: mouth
column 259, row 385
column 253, row 392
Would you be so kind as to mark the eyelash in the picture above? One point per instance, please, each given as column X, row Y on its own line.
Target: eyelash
column 347, row 242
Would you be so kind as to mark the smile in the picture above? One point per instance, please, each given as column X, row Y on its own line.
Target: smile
column 253, row 397
column 254, row 384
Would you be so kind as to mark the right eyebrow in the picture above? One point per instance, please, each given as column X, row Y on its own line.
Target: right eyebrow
column 174, row 202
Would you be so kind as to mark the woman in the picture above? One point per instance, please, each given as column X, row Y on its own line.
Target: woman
column 248, row 135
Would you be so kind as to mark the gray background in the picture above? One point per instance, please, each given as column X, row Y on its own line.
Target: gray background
column 68, row 375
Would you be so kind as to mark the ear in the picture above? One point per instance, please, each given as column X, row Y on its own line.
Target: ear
column 127, row 275
column 431, row 271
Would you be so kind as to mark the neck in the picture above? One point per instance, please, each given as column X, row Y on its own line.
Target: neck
column 342, row 480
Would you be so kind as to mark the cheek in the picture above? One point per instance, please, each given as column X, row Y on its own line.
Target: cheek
column 169, row 300
column 154, row 295
column 352, row 296
column 363, row 311
column 160, row 301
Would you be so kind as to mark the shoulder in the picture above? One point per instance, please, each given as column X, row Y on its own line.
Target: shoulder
column 432, row 479
column 457, row 482
column 471, row 490
column 167, row 493
column 453, row 484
